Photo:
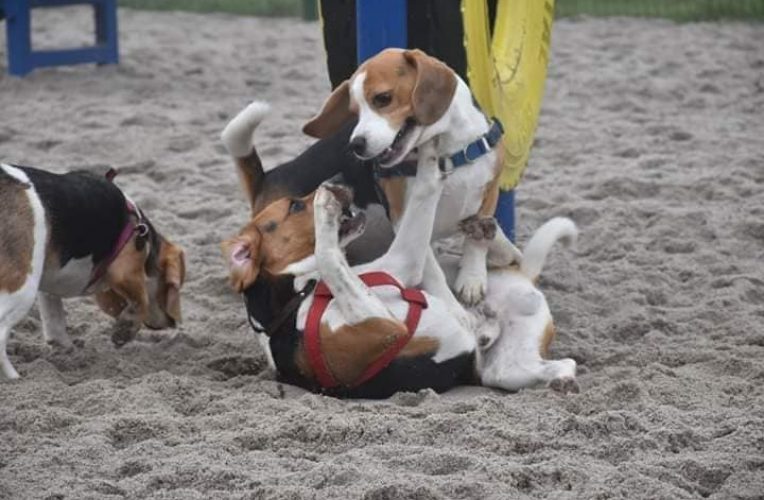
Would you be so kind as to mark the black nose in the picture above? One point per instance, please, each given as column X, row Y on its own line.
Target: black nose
column 358, row 145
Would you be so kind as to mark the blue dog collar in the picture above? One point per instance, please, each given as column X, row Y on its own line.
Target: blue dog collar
column 474, row 150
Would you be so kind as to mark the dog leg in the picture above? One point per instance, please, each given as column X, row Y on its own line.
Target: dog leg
column 560, row 375
column 5, row 363
column 352, row 297
column 407, row 256
column 53, row 320
column 435, row 283
column 502, row 252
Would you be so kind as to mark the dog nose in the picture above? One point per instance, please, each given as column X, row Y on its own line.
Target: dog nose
column 358, row 145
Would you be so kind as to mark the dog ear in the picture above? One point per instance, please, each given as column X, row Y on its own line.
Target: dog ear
column 434, row 88
column 173, row 264
column 334, row 113
column 243, row 256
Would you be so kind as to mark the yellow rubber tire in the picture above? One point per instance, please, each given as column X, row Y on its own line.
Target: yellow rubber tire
column 507, row 72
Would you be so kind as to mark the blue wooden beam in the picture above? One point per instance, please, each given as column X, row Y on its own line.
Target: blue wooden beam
column 380, row 24
column 22, row 59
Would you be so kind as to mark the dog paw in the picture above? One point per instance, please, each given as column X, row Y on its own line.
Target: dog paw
column 478, row 228
column 326, row 204
column 61, row 345
column 565, row 385
column 124, row 331
column 470, row 288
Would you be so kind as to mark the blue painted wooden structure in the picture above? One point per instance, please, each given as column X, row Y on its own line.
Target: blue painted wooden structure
column 22, row 58
column 381, row 24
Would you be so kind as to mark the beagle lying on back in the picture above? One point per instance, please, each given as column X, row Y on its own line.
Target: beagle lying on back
column 404, row 98
column 77, row 234
column 292, row 242
column 277, row 258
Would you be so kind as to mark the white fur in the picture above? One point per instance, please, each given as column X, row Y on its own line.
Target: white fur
column 509, row 356
column 14, row 306
column 237, row 135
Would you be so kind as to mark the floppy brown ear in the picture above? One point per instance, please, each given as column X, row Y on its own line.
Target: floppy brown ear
column 434, row 88
column 334, row 113
column 173, row 264
column 242, row 253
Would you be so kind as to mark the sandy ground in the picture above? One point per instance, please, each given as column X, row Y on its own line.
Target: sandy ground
column 652, row 139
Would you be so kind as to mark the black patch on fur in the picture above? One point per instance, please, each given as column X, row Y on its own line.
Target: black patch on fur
column 324, row 160
column 86, row 212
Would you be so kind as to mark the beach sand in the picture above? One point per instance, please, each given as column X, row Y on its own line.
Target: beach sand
column 651, row 138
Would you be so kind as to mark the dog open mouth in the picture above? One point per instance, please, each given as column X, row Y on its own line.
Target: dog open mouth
column 400, row 147
column 352, row 220
column 352, row 223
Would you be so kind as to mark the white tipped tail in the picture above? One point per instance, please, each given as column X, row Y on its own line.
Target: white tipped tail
column 542, row 241
column 237, row 135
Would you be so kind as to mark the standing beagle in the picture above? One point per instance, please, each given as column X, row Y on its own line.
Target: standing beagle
column 404, row 98
column 77, row 234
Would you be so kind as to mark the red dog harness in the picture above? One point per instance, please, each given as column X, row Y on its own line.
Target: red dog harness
column 321, row 298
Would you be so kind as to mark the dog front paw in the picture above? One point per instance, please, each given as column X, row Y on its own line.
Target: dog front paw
column 565, row 385
column 478, row 228
column 327, row 205
column 470, row 287
column 124, row 331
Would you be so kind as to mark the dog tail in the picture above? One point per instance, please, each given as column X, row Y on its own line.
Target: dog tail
column 237, row 137
column 542, row 241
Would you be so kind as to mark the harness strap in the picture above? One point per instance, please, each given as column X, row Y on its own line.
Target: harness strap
column 321, row 298
column 141, row 227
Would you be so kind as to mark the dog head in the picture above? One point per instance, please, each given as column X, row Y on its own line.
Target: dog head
column 148, row 266
column 283, row 233
column 400, row 97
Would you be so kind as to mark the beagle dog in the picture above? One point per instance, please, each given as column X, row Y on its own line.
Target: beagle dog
column 325, row 159
column 77, row 234
column 402, row 99
column 276, row 260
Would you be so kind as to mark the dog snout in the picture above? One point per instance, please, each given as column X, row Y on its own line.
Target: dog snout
column 358, row 145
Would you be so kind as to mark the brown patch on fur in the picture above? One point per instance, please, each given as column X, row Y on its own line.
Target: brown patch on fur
column 172, row 265
column 335, row 111
column 110, row 302
column 395, row 192
column 349, row 350
column 251, row 176
column 16, row 234
column 420, row 346
column 491, row 192
column 547, row 338
column 434, row 88
column 126, row 276
column 273, row 239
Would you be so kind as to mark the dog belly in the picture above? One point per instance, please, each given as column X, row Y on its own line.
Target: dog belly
column 461, row 198
column 436, row 322
column 68, row 281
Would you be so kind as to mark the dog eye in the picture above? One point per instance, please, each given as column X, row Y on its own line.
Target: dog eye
column 382, row 99
column 296, row 206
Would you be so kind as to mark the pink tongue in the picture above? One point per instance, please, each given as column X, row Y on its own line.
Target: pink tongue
column 240, row 255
